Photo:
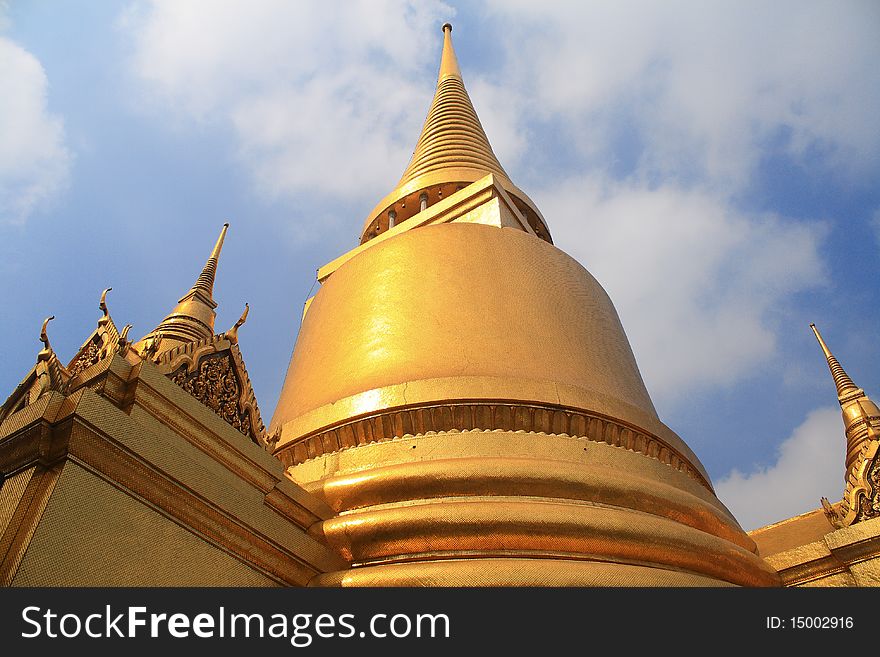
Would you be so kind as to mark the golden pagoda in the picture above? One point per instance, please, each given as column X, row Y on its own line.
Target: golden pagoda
column 463, row 395
column 462, row 408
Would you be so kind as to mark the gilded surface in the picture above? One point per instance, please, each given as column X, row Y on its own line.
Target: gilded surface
column 216, row 385
column 467, row 416
column 860, row 413
column 452, row 151
column 869, row 501
column 462, row 408
column 861, row 419
column 464, row 503
column 464, row 396
column 90, row 355
column 474, row 310
column 192, row 319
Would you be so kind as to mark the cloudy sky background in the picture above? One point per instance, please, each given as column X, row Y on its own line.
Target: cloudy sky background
column 713, row 164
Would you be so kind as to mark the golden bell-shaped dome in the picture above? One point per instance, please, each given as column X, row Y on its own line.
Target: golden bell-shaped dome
column 463, row 394
column 462, row 311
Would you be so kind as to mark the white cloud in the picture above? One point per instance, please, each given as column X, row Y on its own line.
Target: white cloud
column 326, row 98
column 694, row 280
column 810, row 465
column 705, row 85
column 322, row 96
column 34, row 162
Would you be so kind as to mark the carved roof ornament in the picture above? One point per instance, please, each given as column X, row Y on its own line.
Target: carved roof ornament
column 452, row 151
column 123, row 346
column 100, row 344
column 193, row 317
column 149, row 346
column 103, row 306
column 861, row 419
column 213, row 371
column 47, row 374
column 46, row 352
column 232, row 334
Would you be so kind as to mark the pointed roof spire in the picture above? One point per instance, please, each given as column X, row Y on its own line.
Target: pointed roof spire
column 452, row 135
column 861, row 417
column 452, row 152
column 193, row 317
column 205, row 282
column 448, row 60
column 844, row 384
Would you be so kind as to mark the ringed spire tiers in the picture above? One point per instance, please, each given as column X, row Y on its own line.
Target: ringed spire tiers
column 452, row 151
column 193, row 317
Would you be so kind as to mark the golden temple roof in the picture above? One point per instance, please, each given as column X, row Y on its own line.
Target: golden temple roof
column 452, row 151
column 193, row 317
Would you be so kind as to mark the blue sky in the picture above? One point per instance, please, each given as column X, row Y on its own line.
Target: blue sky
column 714, row 165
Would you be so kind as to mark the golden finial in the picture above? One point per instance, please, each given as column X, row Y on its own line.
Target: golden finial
column 46, row 351
column 151, row 346
column 122, row 344
column 232, row 334
column 452, row 135
column 831, row 513
column 448, row 60
column 844, row 384
column 103, row 306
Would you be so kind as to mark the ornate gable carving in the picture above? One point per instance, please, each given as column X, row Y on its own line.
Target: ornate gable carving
column 101, row 343
column 215, row 383
column 213, row 372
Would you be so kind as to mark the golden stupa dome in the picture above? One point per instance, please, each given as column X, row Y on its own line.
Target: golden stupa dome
column 463, row 395
column 463, row 311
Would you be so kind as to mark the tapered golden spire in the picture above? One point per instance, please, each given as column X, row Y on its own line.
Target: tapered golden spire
column 861, row 417
column 193, row 317
column 205, row 282
column 448, row 60
column 452, row 135
column 452, row 151
column 841, row 379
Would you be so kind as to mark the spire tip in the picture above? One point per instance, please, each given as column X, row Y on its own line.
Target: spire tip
column 841, row 379
column 448, row 60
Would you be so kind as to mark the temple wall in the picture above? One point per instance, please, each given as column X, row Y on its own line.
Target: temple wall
column 94, row 534
column 843, row 557
column 143, row 485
